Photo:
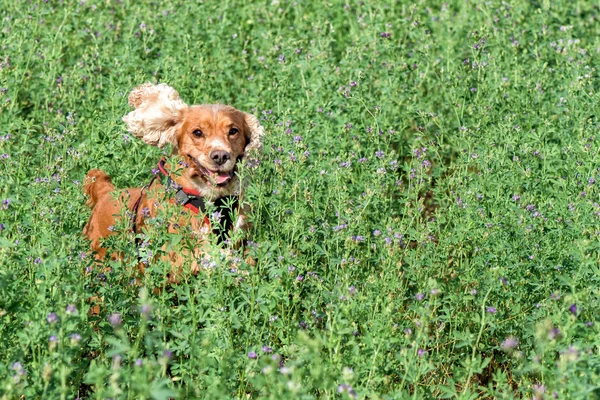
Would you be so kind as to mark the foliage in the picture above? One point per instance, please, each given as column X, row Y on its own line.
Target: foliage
column 425, row 212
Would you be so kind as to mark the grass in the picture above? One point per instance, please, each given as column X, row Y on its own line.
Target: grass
column 425, row 212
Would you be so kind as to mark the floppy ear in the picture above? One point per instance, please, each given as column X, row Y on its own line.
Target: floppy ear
column 255, row 138
column 157, row 114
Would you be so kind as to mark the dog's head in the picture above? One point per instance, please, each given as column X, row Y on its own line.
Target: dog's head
column 211, row 138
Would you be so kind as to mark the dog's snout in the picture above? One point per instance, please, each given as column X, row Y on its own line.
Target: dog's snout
column 220, row 157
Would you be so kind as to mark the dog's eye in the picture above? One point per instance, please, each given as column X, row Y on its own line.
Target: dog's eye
column 198, row 133
column 233, row 131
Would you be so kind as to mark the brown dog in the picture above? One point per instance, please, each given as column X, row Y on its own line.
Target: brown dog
column 209, row 139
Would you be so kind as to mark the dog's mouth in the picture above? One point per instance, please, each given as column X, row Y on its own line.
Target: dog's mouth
column 217, row 178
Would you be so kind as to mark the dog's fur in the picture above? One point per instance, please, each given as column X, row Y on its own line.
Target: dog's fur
column 209, row 139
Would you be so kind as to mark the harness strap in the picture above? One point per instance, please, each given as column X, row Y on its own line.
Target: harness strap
column 193, row 200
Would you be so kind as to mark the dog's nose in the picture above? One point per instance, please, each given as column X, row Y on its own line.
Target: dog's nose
column 220, row 157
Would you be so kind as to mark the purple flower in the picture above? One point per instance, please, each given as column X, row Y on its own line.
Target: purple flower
column 554, row 334
column 379, row 154
column 491, row 310
column 267, row 349
column 516, row 197
column 115, row 319
column 385, row 34
column 573, row 309
column 302, row 325
column 419, row 296
column 252, row 355
column 217, row 216
column 300, row 278
column 510, row 343
column 71, row 309
column 344, row 388
column 168, row 354
column 52, row 318
column 138, row 362
column 421, row 352
column 53, row 339
column 75, row 338
column 473, row 292
column 146, row 310
column 18, row 368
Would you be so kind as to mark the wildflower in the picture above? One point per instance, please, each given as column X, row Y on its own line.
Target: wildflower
column 75, row 338
column 473, row 292
column 344, row 388
column 299, row 278
column 419, row 296
column 19, row 370
column 52, row 318
column 385, row 34
column 167, row 354
column 554, row 334
column 421, row 352
column 302, row 325
column 510, row 343
column 138, row 362
column 285, row 370
column 573, row 309
column 491, row 310
column 146, row 311
column 217, row 216
column 538, row 391
column 379, row 154
column 71, row 309
column 115, row 319
column 267, row 349
column 252, row 355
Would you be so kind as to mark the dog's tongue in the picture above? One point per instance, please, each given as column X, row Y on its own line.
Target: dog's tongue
column 220, row 177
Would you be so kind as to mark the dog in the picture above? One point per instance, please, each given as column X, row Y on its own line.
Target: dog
column 208, row 141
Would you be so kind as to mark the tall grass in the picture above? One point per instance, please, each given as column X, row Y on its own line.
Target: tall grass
column 426, row 212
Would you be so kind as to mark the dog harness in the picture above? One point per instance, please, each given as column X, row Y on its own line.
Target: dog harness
column 193, row 200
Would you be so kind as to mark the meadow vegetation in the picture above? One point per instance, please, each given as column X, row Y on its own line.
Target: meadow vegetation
column 426, row 210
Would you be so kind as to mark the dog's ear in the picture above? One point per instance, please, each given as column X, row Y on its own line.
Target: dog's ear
column 158, row 112
column 255, row 135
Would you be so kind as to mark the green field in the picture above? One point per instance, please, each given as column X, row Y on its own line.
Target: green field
column 426, row 211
